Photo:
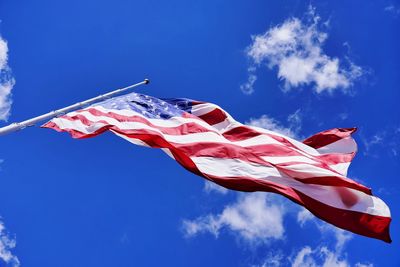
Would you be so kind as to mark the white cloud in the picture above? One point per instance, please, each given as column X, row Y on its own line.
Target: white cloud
column 392, row 9
column 376, row 139
column 274, row 259
column 304, row 216
column 295, row 48
column 387, row 138
column 213, row 187
column 363, row 265
column 257, row 219
column 343, row 116
column 7, row 243
column 247, row 87
column 6, row 82
column 322, row 255
column 341, row 236
column 308, row 257
column 252, row 218
column 294, row 121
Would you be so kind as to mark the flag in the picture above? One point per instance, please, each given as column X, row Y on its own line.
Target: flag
column 207, row 141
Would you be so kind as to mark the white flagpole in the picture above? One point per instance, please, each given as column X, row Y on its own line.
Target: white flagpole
column 31, row 122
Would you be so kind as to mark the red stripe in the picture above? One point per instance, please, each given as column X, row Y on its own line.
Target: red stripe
column 149, row 138
column 272, row 150
column 328, row 137
column 360, row 223
column 213, row 117
column 195, row 103
column 185, row 128
column 244, row 132
column 357, row 222
column 74, row 133
column 228, row 151
column 240, row 133
column 246, row 154
column 237, row 133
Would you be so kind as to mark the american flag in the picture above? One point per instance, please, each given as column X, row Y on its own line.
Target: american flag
column 207, row 141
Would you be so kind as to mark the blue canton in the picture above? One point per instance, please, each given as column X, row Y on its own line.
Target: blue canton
column 150, row 107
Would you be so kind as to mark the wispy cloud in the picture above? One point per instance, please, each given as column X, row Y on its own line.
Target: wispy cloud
column 293, row 128
column 273, row 259
column 304, row 216
column 385, row 141
column 295, row 48
column 248, row 87
column 258, row 219
column 213, row 187
column 392, row 9
column 318, row 257
column 6, row 82
column 7, row 243
column 321, row 255
column 341, row 236
column 253, row 218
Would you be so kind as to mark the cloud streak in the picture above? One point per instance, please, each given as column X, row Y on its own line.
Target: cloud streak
column 7, row 243
column 293, row 128
column 295, row 49
column 6, row 82
column 213, row 187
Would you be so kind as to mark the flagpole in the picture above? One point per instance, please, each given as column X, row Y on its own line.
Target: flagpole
column 31, row 122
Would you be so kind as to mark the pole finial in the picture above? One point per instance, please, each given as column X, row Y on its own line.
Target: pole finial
column 146, row 81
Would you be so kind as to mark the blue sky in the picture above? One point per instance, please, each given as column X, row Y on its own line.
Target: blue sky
column 104, row 202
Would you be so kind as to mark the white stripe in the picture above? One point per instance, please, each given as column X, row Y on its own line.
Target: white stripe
column 328, row 195
column 192, row 138
column 180, row 139
column 141, row 143
column 279, row 159
column 78, row 125
column 132, row 140
column 307, row 170
column 178, row 121
column 202, row 109
column 229, row 124
column 168, row 152
column 233, row 168
column 343, row 146
column 341, row 167
column 296, row 143
column 171, row 122
column 223, row 125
